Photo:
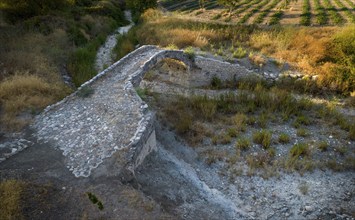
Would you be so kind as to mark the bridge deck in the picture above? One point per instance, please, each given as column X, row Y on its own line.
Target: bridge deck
column 88, row 130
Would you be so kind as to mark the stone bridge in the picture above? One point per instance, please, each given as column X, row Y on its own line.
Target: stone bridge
column 110, row 131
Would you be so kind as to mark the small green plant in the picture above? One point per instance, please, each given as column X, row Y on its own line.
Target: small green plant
column 85, row 91
column 284, row 138
column 216, row 83
column 300, row 149
column 242, row 143
column 172, row 47
column 239, row 53
column 302, row 132
column 142, row 92
column 323, row 146
column 190, row 52
column 262, row 137
column 95, row 200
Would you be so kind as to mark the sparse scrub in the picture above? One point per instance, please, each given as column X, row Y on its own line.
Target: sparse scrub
column 263, row 138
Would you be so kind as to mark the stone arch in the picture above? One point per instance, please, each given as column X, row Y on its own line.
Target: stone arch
column 157, row 58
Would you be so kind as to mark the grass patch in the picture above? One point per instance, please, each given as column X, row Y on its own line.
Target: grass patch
column 239, row 53
column 10, row 202
column 284, row 138
column 302, row 132
column 323, row 146
column 242, row 144
column 300, row 149
column 27, row 93
column 263, row 138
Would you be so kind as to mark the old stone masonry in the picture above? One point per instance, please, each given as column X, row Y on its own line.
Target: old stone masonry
column 112, row 126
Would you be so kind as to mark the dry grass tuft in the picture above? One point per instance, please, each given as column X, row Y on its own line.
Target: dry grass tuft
column 10, row 194
column 24, row 92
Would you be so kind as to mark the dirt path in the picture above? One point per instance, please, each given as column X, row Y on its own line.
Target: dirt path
column 104, row 56
column 293, row 14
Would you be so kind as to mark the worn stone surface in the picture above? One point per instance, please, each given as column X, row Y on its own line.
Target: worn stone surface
column 90, row 129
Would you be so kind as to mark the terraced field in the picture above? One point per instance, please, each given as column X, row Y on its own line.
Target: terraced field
column 266, row 12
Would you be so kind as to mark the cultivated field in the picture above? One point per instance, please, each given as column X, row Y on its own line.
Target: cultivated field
column 266, row 12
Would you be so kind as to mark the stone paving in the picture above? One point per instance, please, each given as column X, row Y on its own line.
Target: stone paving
column 113, row 117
